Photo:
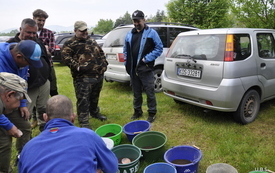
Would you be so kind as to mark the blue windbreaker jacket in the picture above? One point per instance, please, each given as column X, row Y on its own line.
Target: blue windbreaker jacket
column 7, row 64
column 63, row 147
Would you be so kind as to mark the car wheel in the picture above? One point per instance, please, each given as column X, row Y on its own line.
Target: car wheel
column 248, row 108
column 157, row 78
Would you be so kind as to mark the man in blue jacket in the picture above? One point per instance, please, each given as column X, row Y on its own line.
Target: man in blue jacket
column 63, row 147
column 142, row 46
column 12, row 89
column 16, row 58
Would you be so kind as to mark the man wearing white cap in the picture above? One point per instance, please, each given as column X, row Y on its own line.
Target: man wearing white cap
column 16, row 58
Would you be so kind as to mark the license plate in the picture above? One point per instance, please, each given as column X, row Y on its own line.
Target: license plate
column 189, row 72
column 111, row 57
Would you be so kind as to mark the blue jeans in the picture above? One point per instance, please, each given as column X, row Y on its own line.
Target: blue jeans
column 140, row 82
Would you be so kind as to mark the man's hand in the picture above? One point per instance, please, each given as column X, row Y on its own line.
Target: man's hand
column 25, row 112
column 15, row 132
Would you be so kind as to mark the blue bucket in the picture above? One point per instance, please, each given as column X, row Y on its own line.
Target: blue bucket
column 133, row 128
column 160, row 168
column 184, row 158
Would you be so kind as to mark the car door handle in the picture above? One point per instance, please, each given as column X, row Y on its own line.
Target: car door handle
column 263, row 65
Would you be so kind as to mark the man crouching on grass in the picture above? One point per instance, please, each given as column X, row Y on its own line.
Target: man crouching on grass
column 63, row 147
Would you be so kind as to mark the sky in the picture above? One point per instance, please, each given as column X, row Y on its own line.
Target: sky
column 66, row 12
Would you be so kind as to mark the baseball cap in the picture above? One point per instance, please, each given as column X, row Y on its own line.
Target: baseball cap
column 32, row 51
column 138, row 15
column 80, row 25
column 15, row 83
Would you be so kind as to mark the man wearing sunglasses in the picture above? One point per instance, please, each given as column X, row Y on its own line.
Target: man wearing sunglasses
column 16, row 58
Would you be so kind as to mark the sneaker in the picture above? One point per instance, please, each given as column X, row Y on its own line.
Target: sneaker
column 34, row 124
column 100, row 117
column 151, row 119
column 136, row 115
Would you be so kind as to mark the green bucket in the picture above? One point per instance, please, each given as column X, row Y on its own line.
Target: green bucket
column 112, row 131
column 151, row 143
column 127, row 151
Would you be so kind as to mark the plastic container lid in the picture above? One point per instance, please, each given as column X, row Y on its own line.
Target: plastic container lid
column 221, row 168
column 109, row 143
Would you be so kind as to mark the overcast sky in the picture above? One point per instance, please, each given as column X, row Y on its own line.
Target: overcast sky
column 66, row 12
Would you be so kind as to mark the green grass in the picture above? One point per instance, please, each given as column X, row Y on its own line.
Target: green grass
column 220, row 139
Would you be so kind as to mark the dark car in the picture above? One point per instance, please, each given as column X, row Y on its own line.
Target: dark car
column 60, row 39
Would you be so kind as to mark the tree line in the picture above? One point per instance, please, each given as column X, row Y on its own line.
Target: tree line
column 206, row 14
column 203, row 14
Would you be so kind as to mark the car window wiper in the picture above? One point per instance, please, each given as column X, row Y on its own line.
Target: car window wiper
column 189, row 56
column 116, row 45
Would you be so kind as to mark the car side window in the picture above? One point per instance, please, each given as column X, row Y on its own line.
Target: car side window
column 266, row 45
column 242, row 46
column 162, row 31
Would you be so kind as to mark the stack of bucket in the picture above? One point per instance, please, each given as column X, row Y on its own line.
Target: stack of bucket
column 149, row 145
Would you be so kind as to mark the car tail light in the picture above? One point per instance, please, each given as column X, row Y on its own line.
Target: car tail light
column 57, row 47
column 121, row 57
column 170, row 92
column 229, row 48
column 208, row 102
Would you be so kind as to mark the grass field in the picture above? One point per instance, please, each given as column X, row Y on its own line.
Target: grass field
column 220, row 139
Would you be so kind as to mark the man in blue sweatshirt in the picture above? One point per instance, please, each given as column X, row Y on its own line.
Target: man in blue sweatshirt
column 63, row 147
column 16, row 58
column 12, row 90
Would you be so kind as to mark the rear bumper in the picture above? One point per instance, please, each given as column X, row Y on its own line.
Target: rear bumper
column 226, row 97
column 117, row 77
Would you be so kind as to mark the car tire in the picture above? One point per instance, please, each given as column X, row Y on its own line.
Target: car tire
column 157, row 80
column 249, row 107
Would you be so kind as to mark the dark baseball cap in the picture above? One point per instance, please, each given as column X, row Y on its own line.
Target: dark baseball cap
column 32, row 51
column 138, row 15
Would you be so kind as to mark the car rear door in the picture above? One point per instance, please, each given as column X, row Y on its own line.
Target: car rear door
column 266, row 61
column 113, row 49
column 196, row 58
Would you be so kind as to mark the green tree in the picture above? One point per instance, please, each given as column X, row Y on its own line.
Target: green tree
column 126, row 19
column 159, row 17
column 103, row 26
column 254, row 13
column 200, row 13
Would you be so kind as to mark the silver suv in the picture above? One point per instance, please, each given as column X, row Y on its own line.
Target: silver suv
column 113, row 48
column 228, row 70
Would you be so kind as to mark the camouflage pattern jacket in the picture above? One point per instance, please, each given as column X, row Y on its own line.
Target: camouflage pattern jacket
column 84, row 57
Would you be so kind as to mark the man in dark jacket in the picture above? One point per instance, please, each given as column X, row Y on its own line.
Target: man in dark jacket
column 87, row 62
column 142, row 46
column 39, row 79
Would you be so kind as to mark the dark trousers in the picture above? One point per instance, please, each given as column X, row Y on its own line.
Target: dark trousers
column 6, row 140
column 140, row 82
column 53, row 83
column 87, row 91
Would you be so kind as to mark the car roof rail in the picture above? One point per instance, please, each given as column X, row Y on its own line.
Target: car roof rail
column 169, row 23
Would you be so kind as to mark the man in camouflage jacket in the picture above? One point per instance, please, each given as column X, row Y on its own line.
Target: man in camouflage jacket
column 87, row 63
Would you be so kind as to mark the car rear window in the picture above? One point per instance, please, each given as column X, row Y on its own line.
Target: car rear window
column 116, row 37
column 209, row 47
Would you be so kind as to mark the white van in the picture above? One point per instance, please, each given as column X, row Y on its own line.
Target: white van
column 113, row 49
